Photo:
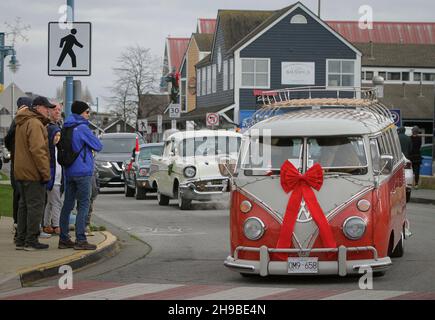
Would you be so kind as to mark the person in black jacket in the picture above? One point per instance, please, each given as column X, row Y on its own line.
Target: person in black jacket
column 22, row 102
column 415, row 153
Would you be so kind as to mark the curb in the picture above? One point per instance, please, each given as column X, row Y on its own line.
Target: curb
column 106, row 249
column 422, row 201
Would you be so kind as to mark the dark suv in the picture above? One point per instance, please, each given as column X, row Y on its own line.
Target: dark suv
column 116, row 149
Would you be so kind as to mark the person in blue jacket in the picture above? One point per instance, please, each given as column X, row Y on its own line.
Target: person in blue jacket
column 78, row 177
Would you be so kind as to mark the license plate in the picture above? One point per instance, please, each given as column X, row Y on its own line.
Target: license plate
column 303, row 265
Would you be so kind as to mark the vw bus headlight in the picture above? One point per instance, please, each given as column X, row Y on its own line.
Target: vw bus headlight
column 189, row 172
column 253, row 228
column 354, row 228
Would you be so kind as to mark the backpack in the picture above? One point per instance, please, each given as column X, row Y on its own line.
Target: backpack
column 65, row 153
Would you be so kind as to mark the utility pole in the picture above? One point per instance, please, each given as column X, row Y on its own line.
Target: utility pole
column 318, row 8
column 4, row 52
column 69, row 80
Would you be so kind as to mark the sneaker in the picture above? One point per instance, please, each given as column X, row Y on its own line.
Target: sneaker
column 66, row 244
column 19, row 246
column 84, row 245
column 44, row 235
column 36, row 246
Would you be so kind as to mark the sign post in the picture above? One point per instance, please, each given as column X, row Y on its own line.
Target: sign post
column 174, row 110
column 142, row 125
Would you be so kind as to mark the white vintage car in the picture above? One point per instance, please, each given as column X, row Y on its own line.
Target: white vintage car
column 189, row 167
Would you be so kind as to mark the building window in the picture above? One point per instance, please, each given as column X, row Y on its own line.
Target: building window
column 298, row 19
column 208, row 79
column 382, row 74
column 255, row 73
column 198, row 82
column 428, row 76
column 231, row 74
column 405, row 76
column 203, row 81
column 341, row 73
column 183, row 95
column 225, row 85
column 213, row 79
column 395, row 76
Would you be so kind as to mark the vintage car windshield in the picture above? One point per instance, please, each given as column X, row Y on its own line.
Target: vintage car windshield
column 209, row 146
column 118, row 145
column 147, row 152
column 263, row 155
column 338, row 154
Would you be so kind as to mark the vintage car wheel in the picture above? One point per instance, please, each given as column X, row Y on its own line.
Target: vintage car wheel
column 183, row 204
column 129, row 192
column 162, row 199
column 400, row 248
column 141, row 193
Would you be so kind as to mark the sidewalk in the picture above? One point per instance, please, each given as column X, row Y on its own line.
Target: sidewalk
column 19, row 268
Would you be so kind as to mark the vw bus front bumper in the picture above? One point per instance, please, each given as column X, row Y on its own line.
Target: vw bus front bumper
column 341, row 266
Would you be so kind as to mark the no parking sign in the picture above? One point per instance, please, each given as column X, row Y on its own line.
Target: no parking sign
column 212, row 119
column 396, row 117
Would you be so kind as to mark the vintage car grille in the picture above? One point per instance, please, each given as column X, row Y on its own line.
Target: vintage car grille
column 210, row 185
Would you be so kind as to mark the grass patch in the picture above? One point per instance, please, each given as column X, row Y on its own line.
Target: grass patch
column 6, row 200
column 3, row 177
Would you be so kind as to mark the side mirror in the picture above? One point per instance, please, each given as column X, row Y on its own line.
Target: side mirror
column 227, row 167
column 386, row 164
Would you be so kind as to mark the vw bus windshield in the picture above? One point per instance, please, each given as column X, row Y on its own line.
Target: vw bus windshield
column 265, row 155
column 338, row 154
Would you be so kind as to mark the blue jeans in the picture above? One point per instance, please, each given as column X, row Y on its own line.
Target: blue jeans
column 76, row 188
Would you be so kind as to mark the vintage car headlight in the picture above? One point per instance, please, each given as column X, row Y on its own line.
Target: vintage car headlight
column 253, row 228
column 143, row 172
column 189, row 172
column 245, row 206
column 354, row 228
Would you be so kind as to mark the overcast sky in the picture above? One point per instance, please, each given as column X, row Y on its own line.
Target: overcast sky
column 117, row 24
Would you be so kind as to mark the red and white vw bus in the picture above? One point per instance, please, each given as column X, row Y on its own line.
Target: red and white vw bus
column 319, row 188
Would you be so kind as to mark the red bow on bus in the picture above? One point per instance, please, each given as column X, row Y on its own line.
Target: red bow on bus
column 292, row 180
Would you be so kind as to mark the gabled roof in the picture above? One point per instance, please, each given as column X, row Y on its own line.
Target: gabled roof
column 237, row 24
column 204, row 61
column 203, row 41
column 396, row 55
column 206, row 26
column 176, row 48
column 387, row 32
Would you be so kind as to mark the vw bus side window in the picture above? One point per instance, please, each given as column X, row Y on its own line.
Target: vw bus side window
column 375, row 155
column 338, row 154
column 265, row 155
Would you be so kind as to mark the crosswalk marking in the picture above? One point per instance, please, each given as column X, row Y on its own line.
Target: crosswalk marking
column 367, row 295
column 100, row 290
column 242, row 293
column 124, row 292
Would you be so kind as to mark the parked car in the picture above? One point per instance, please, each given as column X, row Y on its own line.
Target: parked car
column 189, row 167
column 117, row 148
column 409, row 177
column 136, row 170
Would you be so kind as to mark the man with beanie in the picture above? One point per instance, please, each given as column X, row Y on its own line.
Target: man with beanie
column 32, row 171
column 78, row 177
column 22, row 102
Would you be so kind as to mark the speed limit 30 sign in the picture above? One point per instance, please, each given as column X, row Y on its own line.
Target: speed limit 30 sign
column 212, row 119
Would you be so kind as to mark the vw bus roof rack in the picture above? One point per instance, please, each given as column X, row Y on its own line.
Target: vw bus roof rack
column 319, row 97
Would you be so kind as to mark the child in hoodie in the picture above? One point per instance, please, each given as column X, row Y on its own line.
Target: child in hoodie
column 54, row 186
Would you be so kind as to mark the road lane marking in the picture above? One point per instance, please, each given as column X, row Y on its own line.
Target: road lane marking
column 242, row 293
column 367, row 295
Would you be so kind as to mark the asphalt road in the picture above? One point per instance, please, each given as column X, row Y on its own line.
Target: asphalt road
column 190, row 246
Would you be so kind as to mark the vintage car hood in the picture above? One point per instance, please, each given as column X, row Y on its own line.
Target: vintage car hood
column 205, row 166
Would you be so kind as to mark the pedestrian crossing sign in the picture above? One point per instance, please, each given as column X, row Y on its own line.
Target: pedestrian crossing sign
column 69, row 49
